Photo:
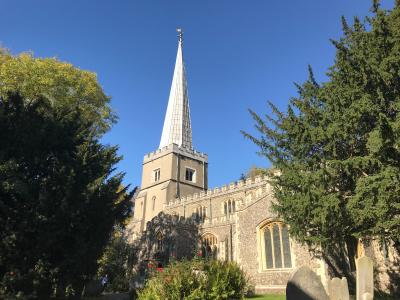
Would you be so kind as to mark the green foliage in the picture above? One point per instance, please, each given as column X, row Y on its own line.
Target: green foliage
column 59, row 197
column 114, row 262
column 197, row 279
column 253, row 172
column 338, row 144
column 63, row 85
column 225, row 280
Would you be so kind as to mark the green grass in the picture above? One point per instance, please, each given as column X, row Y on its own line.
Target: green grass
column 268, row 297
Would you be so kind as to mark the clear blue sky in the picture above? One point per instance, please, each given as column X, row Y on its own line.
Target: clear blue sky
column 238, row 55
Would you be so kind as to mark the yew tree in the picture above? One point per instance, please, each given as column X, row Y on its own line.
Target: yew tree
column 60, row 192
column 337, row 145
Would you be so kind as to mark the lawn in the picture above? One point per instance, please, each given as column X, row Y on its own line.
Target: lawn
column 268, row 297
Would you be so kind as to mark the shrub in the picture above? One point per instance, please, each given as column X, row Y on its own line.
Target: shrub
column 196, row 279
column 226, row 280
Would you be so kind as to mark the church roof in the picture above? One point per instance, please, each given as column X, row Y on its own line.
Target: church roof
column 177, row 126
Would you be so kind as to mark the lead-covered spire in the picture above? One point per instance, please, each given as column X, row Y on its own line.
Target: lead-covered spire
column 177, row 126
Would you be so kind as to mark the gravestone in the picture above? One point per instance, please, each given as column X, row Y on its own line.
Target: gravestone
column 304, row 284
column 365, row 277
column 367, row 296
column 338, row 289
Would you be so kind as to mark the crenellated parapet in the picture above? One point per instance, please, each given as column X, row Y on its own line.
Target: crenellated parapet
column 260, row 183
column 174, row 148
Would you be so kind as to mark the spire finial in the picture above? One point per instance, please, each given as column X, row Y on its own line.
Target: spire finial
column 180, row 34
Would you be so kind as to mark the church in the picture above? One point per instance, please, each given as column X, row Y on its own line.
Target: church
column 235, row 221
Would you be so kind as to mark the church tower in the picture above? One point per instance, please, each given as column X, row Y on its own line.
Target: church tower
column 175, row 169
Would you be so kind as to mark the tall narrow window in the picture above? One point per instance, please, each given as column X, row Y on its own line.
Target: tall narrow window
column 269, row 260
column 160, row 244
column 190, row 175
column 276, row 253
column 201, row 213
column 154, row 202
column 156, row 175
column 287, row 258
column 277, row 246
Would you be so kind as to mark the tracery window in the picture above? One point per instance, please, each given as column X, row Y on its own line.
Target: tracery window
column 229, row 207
column 201, row 213
column 209, row 243
column 275, row 246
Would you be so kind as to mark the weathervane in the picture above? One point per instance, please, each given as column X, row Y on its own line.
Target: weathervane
column 180, row 34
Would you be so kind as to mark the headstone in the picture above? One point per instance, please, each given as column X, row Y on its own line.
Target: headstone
column 304, row 284
column 367, row 296
column 365, row 277
column 338, row 289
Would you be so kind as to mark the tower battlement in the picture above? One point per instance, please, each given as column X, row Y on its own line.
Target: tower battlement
column 200, row 156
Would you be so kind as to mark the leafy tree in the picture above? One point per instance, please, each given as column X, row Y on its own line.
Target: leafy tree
column 59, row 196
column 337, row 145
column 63, row 85
column 115, row 261
column 253, row 172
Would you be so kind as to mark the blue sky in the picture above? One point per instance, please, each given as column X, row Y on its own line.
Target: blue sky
column 238, row 55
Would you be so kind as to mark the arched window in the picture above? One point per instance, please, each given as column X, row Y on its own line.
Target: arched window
column 275, row 246
column 209, row 243
column 160, row 243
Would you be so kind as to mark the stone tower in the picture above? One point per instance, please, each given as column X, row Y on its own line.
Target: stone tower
column 175, row 169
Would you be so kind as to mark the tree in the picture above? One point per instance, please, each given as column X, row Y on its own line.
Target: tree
column 59, row 196
column 253, row 172
column 63, row 85
column 114, row 263
column 338, row 145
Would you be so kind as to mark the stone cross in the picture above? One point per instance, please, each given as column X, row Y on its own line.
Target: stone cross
column 338, row 289
column 304, row 284
column 365, row 278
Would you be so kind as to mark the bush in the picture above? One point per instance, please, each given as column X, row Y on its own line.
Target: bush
column 196, row 279
column 226, row 280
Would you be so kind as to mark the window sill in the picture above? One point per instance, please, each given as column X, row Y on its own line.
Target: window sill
column 276, row 270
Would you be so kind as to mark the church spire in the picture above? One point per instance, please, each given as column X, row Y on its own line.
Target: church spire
column 177, row 126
